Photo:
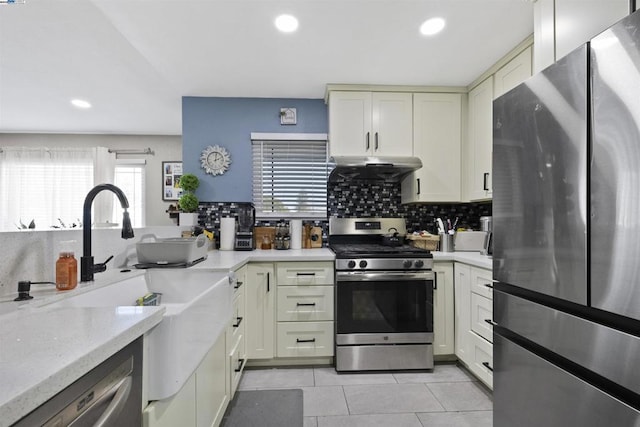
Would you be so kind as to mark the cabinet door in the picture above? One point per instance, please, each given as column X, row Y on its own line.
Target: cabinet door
column 480, row 141
column 462, row 298
column 350, row 123
column 178, row 410
column 260, row 311
column 513, row 73
column 437, row 139
column 392, row 129
column 544, row 44
column 577, row 21
column 443, row 310
column 212, row 385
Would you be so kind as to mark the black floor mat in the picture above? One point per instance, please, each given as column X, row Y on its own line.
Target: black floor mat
column 265, row 408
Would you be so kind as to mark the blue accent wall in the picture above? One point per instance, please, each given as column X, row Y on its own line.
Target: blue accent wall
column 228, row 122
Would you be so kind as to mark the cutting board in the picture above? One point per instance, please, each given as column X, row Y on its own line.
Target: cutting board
column 308, row 242
column 260, row 232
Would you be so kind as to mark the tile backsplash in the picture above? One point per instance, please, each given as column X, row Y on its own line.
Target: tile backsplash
column 366, row 198
column 361, row 199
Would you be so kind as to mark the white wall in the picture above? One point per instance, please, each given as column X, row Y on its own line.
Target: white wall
column 166, row 148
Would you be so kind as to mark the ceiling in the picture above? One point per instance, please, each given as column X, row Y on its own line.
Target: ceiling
column 135, row 59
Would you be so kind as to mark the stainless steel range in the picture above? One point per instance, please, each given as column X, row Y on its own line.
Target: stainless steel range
column 384, row 296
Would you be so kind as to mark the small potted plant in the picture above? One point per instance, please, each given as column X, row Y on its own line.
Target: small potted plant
column 188, row 201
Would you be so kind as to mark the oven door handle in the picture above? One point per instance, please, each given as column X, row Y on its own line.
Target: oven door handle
column 400, row 276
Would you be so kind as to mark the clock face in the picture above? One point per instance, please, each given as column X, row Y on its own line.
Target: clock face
column 215, row 160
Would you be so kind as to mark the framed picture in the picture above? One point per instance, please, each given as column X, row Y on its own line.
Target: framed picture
column 171, row 173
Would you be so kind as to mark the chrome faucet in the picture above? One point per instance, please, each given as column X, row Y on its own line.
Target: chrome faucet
column 87, row 267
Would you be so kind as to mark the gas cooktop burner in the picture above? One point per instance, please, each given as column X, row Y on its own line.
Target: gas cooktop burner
column 378, row 251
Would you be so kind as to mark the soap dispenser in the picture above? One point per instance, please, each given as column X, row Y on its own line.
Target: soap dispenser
column 66, row 267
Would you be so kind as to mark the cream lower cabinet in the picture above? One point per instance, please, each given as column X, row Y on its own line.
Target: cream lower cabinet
column 236, row 335
column 260, row 305
column 289, row 310
column 305, row 309
column 443, row 310
column 473, row 313
column 202, row 401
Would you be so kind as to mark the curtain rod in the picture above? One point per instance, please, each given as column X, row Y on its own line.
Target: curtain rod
column 132, row 151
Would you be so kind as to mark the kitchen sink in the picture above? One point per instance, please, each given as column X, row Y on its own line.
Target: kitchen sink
column 197, row 310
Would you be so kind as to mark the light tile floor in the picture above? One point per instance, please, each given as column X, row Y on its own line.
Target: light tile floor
column 447, row 397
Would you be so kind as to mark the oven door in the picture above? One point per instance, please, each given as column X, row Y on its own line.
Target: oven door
column 384, row 307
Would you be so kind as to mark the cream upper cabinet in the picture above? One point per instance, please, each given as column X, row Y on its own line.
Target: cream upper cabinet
column 437, row 138
column 480, row 141
column 561, row 26
column 370, row 124
column 513, row 73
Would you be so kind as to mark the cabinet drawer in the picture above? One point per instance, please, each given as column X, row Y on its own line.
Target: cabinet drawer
column 305, row 303
column 481, row 311
column 482, row 282
column 481, row 359
column 305, row 273
column 237, row 359
column 236, row 328
column 304, row 339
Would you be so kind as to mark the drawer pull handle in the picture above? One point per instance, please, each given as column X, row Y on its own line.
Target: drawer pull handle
column 268, row 282
column 491, row 322
column 240, row 363
column 305, row 304
column 235, row 325
column 311, row 340
column 489, row 285
column 486, row 365
column 238, row 284
column 305, row 274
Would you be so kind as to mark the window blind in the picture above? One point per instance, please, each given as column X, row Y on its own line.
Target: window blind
column 290, row 178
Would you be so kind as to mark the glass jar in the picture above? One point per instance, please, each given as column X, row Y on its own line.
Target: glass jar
column 66, row 267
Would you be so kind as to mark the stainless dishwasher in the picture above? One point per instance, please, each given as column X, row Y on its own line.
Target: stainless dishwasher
column 108, row 395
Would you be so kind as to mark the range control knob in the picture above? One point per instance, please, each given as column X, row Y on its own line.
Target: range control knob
column 419, row 263
column 351, row 264
column 407, row 263
column 363, row 264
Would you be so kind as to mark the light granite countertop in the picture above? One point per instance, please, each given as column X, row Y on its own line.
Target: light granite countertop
column 44, row 350
column 471, row 258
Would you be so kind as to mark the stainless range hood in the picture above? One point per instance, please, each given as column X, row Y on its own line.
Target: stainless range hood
column 389, row 169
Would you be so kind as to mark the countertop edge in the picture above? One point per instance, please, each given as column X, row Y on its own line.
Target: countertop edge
column 18, row 406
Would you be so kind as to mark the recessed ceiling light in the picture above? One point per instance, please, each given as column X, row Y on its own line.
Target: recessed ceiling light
column 286, row 23
column 432, row 26
column 80, row 103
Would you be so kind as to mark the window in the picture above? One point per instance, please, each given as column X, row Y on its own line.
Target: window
column 129, row 177
column 290, row 175
column 46, row 186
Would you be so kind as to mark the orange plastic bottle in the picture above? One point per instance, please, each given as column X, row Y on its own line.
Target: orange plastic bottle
column 66, row 267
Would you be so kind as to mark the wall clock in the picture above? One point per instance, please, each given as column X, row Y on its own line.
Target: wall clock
column 215, row 160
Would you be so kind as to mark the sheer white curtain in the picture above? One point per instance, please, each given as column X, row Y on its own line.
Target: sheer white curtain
column 44, row 185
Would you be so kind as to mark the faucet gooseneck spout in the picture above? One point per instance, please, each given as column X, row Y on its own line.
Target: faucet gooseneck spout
column 87, row 266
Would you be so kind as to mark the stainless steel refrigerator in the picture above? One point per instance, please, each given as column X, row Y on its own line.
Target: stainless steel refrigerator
column 566, row 222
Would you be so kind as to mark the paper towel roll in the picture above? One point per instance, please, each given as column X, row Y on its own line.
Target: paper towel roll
column 295, row 226
column 227, row 233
